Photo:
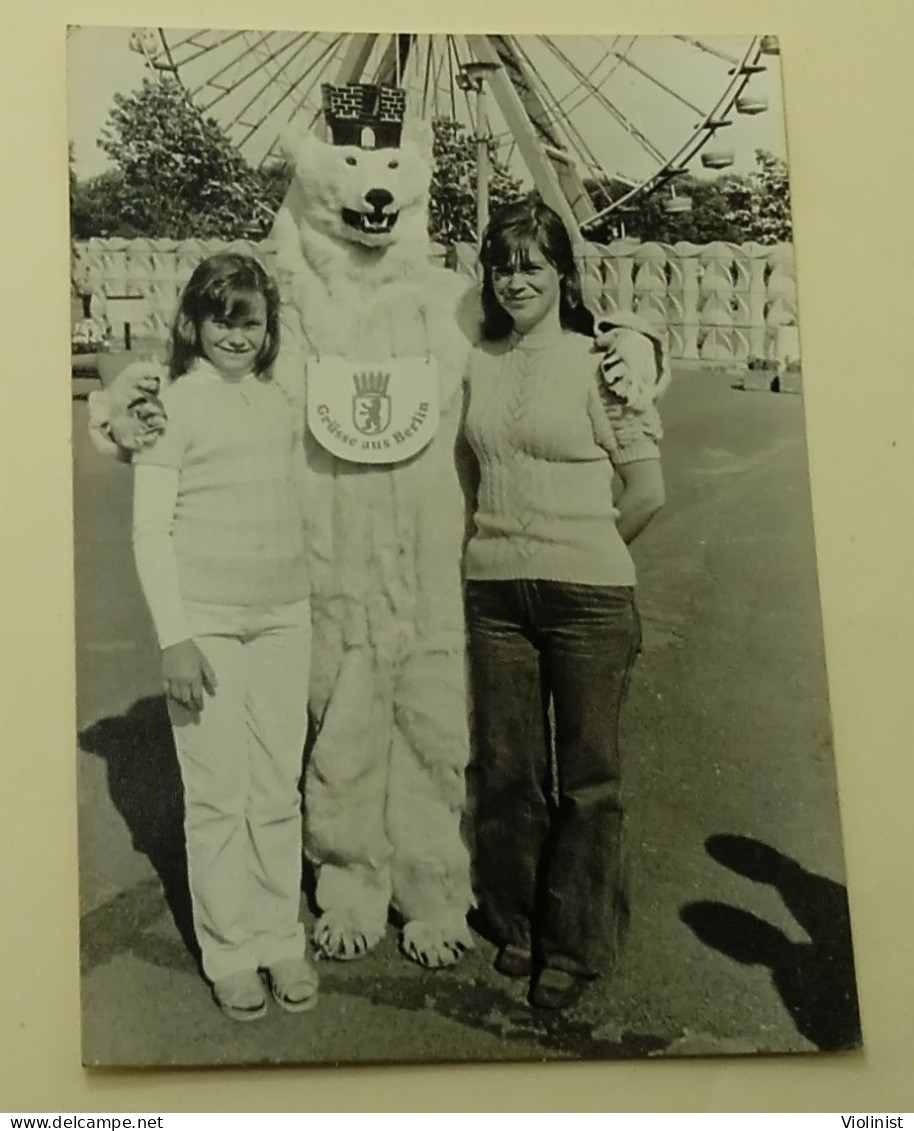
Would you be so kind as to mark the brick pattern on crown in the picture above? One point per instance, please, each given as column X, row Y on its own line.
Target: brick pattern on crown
column 365, row 103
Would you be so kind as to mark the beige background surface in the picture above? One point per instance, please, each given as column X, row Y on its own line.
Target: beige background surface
column 847, row 70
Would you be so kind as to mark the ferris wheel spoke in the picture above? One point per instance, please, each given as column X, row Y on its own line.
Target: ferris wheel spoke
column 275, row 149
column 581, row 94
column 438, row 83
column 328, row 51
column 708, row 49
column 225, row 90
column 302, row 41
column 470, row 109
column 427, row 78
column 261, row 61
column 212, row 80
column 662, row 85
column 202, row 48
column 452, row 83
column 598, row 94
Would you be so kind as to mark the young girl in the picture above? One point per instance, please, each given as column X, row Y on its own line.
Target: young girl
column 550, row 609
column 219, row 546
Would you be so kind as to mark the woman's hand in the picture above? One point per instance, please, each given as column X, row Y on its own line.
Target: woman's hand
column 642, row 495
column 186, row 674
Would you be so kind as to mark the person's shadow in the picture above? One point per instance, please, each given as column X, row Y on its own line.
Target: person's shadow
column 815, row 980
column 144, row 783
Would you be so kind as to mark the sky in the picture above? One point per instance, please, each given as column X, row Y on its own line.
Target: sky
column 101, row 63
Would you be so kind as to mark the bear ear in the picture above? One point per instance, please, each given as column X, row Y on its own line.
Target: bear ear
column 295, row 138
column 419, row 131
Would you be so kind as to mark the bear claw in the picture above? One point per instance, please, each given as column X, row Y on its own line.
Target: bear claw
column 338, row 939
column 432, row 946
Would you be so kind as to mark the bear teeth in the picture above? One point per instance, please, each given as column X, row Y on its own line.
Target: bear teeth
column 369, row 224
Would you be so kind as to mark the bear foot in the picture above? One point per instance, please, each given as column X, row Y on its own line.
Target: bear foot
column 340, row 935
column 435, row 945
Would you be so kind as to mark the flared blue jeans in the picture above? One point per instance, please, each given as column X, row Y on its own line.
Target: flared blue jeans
column 545, row 786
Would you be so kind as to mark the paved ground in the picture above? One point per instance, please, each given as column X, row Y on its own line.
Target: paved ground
column 739, row 938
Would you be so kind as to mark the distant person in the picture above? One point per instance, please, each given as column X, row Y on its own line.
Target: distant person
column 550, row 603
column 220, row 551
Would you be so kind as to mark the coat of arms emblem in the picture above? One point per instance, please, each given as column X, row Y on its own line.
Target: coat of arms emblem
column 383, row 411
column 370, row 402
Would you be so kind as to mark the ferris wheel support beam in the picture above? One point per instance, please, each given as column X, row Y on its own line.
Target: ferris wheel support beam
column 512, row 110
column 524, row 78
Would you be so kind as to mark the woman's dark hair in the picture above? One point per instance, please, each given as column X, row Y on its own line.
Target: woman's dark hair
column 221, row 287
column 507, row 240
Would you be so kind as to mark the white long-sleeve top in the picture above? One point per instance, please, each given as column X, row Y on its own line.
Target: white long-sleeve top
column 219, row 501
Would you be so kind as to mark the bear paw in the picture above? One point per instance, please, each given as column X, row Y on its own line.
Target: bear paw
column 433, row 945
column 340, row 935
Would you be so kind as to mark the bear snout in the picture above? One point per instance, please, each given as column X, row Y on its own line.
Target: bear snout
column 379, row 198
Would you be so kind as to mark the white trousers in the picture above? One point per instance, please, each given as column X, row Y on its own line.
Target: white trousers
column 241, row 763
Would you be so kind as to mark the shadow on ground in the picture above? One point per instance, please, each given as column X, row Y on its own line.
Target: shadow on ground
column 144, row 783
column 815, row 980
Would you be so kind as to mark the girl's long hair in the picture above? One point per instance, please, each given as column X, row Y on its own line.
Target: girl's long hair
column 511, row 232
column 221, row 287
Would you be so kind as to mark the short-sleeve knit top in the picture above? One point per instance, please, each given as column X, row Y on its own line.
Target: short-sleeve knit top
column 538, row 419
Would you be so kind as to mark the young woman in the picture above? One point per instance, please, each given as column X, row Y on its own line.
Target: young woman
column 551, row 609
column 220, row 552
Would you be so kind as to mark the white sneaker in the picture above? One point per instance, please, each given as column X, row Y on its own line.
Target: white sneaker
column 293, row 983
column 240, row 996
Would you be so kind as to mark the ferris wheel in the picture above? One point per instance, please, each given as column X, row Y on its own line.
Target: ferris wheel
column 592, row 121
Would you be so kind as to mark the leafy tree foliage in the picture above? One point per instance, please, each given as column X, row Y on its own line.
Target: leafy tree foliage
column 96, row 207
column 764, row 211
column 175, row 173
column 452, row 204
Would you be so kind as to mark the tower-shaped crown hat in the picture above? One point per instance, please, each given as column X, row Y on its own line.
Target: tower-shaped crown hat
column 364, row 114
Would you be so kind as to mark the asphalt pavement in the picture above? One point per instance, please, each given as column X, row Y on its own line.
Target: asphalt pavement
column 739, row 941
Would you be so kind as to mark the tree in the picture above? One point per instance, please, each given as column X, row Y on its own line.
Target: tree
column 96, row 207
column 179, row 174
column 452, row 204
column 764, row 212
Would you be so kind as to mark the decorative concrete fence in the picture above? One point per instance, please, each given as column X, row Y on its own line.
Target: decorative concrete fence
column 717, row 303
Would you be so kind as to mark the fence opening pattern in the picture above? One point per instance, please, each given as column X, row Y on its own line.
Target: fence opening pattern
column 716, row 303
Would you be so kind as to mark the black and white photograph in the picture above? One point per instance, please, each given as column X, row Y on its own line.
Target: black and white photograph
column 451, row 683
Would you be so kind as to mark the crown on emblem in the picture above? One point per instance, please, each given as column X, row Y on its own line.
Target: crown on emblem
column 371, row 382
column 364, row 114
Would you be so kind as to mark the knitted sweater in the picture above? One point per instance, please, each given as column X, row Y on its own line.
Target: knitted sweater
column 539, row 419
column 237, row 532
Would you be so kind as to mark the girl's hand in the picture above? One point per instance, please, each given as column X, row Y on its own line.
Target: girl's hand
column 186, row 674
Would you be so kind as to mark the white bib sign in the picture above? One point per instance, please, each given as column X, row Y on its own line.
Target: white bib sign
column 368, row 412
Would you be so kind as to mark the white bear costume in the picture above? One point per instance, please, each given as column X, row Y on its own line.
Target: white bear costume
column 385, row 778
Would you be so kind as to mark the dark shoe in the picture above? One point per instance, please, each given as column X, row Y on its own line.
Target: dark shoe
column 240, row 996
column 557, row 989
column 514, row 962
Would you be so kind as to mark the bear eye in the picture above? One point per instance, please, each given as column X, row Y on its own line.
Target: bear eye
column 351, row 161
column 393, row 164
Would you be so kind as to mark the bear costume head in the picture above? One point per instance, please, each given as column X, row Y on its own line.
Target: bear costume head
column 368, row 184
